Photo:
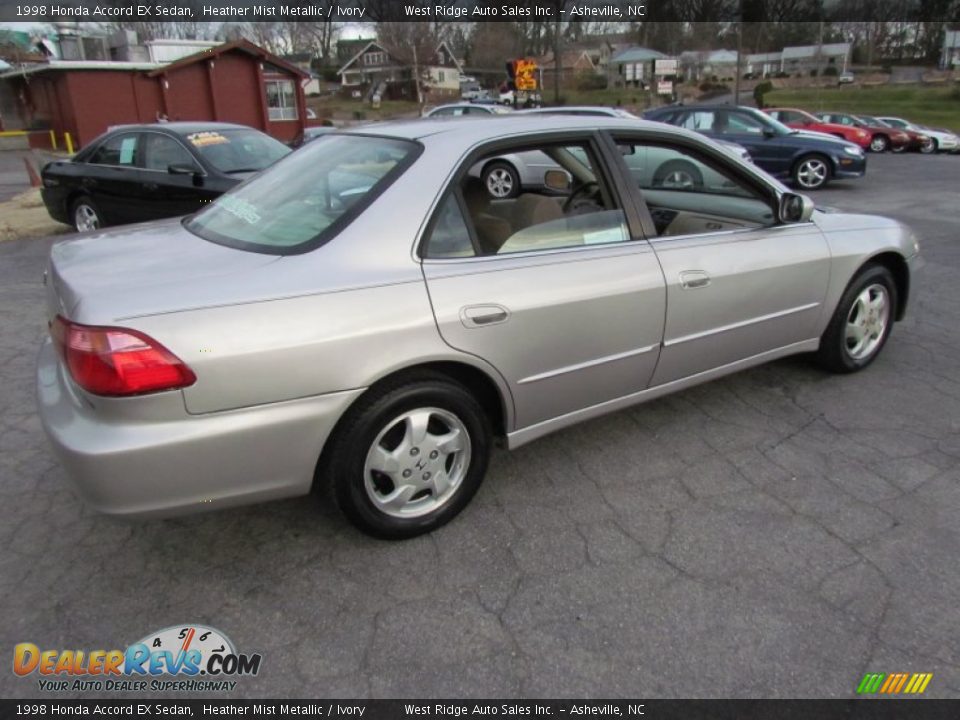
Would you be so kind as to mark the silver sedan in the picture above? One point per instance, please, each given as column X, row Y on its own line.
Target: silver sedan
column 364, row 318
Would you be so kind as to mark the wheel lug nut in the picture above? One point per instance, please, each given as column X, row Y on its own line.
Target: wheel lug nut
column 414, row 451
column 407, row 473
column 426, row 476
column 434, row 455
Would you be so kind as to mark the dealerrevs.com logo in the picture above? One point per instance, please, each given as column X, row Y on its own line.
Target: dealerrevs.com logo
column 187, row 658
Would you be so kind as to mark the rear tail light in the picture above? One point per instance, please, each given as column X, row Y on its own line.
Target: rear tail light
column 116, row 361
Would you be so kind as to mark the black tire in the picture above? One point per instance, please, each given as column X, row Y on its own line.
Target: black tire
column 678, row 174
column 81, row 204
column 343, row 465
column 834, row 354
column 930, row 148
column 901, row 148
column 799, row 172
column 879, row 143
column 495, row 175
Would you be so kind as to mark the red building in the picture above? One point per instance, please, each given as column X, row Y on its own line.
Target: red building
column 235, row 82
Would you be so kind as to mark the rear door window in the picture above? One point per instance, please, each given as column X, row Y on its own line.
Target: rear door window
column 120, row 150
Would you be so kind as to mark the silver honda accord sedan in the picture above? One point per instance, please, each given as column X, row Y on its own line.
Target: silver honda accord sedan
column 364, row 318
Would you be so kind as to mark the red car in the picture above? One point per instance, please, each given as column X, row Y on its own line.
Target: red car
column 884, row 137
column 802, row 120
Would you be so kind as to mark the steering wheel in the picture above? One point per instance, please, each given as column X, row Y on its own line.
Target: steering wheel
column 582, row 197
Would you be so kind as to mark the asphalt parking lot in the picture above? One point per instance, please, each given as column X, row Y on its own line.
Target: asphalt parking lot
column 775, row 534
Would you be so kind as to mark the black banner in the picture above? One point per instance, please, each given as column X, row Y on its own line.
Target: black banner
column 915, row 709
column 479, row 10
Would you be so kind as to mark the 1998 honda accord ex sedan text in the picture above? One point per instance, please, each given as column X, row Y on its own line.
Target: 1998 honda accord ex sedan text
column 364, row 317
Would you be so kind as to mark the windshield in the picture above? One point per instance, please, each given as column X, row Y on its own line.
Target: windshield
column 234, row 151
column 870, row 120
column 306, row 199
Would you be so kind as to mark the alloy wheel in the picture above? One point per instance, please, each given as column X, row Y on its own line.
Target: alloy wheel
column 85, row 218
column 417, row 462
column 500, row 183
column 812, row 173
column 867, row 322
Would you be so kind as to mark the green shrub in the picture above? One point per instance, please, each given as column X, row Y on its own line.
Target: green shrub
column 760, row 90
column 830, row 71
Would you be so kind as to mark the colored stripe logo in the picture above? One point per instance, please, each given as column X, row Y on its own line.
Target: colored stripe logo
column 894, row 683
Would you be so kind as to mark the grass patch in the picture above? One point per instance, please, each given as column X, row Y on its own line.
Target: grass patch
column 935, row 106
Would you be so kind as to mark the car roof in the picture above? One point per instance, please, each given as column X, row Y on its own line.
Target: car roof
column 482, row 128
column 183, row 127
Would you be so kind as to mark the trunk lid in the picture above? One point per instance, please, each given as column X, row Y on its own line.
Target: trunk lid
column 107, row 275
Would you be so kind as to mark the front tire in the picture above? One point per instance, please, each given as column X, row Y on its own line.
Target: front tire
column 929, row 148
column 408, row 457
column 879, row 143
column 812, row 172
column 85, row 215
column 861, row 323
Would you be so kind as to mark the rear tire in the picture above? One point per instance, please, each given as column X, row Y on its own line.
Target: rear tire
column 501, row 180
column 409, row 456
column 85, row 215
column 861, row 323
column 678, row 175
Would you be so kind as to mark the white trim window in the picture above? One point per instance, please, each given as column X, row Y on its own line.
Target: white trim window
column 281, row 99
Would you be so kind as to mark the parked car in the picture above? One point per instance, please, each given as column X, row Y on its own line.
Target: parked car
column 940, row 141
column 311, row 133
column 946, row 140
column 462, row 109
column 506, row 176
column 846, row 78
column 802, row 120
column 362, row 317
column 916, row 140
column 882, row 137
column 809, row 160
column 145, row 172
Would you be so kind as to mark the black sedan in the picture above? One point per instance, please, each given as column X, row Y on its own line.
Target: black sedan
column 135, row 173
column 808, row 159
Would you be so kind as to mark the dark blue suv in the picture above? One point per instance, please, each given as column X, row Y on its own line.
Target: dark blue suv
column 809, row 159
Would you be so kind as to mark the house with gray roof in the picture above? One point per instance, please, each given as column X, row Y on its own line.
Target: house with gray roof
column 632, row 67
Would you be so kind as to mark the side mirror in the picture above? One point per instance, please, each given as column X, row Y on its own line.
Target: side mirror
column 769, row 132
column 556, row 180
column 795, row 208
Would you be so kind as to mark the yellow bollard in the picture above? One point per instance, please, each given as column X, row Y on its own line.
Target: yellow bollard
column 69, row 141
column 53, row 140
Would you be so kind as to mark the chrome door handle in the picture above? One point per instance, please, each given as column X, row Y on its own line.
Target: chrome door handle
column 693, row 279
column 477, row 316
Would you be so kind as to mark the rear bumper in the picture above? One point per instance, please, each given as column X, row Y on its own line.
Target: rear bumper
column 146, row 467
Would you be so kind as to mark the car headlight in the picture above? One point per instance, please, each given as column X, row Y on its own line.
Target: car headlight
column 853, row 150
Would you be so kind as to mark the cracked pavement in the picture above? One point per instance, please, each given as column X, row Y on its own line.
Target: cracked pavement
column 777, row 533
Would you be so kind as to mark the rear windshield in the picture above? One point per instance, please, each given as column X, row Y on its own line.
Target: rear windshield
column 237, row 151
column 305, row 200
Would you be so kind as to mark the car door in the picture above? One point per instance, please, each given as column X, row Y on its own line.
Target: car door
column 170, row 194
column 739, row 284
column 558, row 292
column 112, row 178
